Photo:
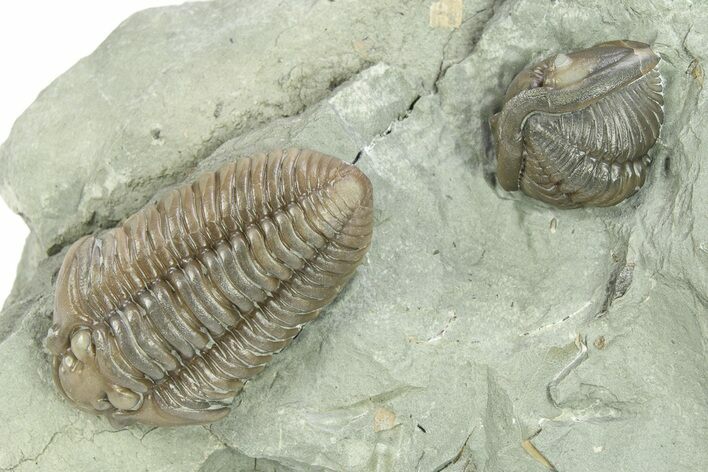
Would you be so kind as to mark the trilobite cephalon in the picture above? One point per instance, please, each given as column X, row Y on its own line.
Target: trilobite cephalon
column 162, row 319
column 575, row 128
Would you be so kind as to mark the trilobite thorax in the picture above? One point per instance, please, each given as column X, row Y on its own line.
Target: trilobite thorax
column 162, row 319
column 593, row 152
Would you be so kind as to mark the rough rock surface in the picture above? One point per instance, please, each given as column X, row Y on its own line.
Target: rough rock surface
column 448, row 350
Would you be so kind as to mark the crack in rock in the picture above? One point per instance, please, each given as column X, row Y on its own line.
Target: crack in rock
column 36, row 457
column 389, row 129
column 456, row 458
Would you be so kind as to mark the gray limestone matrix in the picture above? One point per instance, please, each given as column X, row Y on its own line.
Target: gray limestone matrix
column 484, row 330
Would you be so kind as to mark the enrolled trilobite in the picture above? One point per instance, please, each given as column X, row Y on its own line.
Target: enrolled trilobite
column 162, row 319
column 575, row 128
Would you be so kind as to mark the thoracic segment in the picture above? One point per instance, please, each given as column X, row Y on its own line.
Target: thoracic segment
column 186, row 300
column 596, row 154
column 575, row 128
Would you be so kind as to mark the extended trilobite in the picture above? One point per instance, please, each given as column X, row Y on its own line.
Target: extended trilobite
column 162, row 319
column 575, row 128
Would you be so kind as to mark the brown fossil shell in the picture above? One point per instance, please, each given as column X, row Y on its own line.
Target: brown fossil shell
column 575, row 128
column 162, row 319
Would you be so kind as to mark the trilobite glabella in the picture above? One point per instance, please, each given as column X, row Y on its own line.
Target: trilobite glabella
column 162, row 319
column 575, row 128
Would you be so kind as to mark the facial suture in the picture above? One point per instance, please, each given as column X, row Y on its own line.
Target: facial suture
column 575, row 129
column 162, row 319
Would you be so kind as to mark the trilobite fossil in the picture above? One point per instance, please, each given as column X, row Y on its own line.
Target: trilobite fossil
column 162, row 319
column 575, row 128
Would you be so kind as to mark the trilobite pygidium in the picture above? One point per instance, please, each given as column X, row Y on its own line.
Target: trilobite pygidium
column 575, row 128
column 162, row 319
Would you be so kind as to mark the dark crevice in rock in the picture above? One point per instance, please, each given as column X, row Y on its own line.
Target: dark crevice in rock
column 489, row 168
column 389, row 129
column 620, row 277
column 618, row 284
column 446, row 63
column 55, row 248
column 457, row 457
column 410, row 107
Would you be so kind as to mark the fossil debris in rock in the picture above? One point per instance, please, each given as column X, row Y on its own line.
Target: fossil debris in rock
column 162, row 319
column 575, row 128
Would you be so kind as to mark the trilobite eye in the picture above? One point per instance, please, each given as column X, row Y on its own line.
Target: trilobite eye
column 561, row 61
column 124, row 399
column 81, row 345
column 69, row 362
column 575, row 128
